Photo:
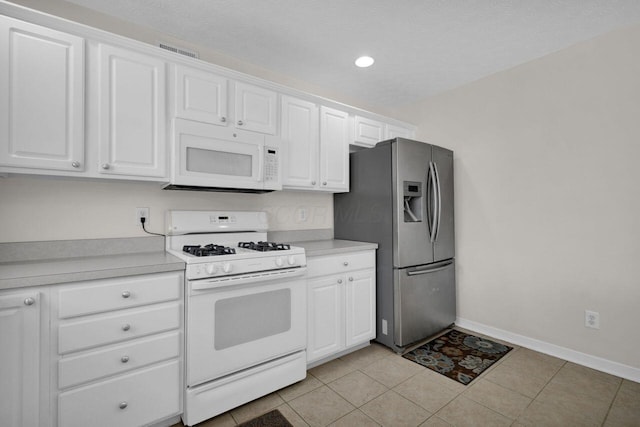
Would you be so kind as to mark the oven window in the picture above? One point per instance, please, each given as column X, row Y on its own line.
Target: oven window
column 218, row 162
column 248, row 318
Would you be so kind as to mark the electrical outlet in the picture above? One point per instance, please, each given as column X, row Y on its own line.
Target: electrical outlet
column 592, row 319
column 302, row 214
column 142, row 213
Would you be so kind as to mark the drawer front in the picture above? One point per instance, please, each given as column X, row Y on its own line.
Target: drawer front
column 75, row 370
column 113, row 294
column 110, row 328
column 334, row 264
column 135, row 399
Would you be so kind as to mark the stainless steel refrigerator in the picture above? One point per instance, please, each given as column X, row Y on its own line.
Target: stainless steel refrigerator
column 401, row 197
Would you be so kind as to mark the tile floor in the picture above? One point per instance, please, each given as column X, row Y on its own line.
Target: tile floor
column 374, row 386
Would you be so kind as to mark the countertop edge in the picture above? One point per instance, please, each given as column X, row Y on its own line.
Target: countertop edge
column 316, row 248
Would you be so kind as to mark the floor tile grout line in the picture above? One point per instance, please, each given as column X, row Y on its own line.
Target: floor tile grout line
column 615, row 396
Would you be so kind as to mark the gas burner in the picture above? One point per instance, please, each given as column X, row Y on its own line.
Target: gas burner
column 208, row 250
column 264, row 246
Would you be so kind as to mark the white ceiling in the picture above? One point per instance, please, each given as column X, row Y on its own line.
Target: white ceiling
column 421, row 47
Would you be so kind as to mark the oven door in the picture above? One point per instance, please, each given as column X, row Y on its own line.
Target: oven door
column 214, row 156
column 230, row 328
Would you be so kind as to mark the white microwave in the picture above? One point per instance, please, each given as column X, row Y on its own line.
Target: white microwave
column 215, row 158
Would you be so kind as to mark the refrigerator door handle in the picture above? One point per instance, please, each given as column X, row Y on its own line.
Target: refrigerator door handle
column 430, row 269
column 439, row 202
column 432, row 207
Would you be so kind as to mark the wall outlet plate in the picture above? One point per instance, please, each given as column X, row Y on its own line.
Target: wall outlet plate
column 142, row 213
column 592, row 319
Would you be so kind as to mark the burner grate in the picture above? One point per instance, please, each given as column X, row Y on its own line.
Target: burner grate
column 264, row 246
column 208, row 250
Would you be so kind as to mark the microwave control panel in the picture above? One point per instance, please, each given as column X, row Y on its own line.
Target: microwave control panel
column 271, row 164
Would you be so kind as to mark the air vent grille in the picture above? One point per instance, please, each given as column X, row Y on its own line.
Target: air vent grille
column 181, row 51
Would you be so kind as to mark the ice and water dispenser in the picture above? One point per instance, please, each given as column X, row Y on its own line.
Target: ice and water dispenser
column 413, row 206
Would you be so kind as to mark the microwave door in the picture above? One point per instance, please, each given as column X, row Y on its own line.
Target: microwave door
column 211, row 157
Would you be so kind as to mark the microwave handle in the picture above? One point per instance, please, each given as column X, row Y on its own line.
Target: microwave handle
column 260, row 162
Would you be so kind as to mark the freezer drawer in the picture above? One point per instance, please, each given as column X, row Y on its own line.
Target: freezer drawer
column 424, row 301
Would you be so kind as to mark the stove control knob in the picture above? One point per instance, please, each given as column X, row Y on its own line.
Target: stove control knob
column 291, row 260
column 227, row 268
column 279, row 262
column 211, row 268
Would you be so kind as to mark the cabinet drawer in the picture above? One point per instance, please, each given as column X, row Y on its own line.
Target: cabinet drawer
column 114, row 294
column 109, row 328
column 75, row 370
column 135, row 399
column 332, row 264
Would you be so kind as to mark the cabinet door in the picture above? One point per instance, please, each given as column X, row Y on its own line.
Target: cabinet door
column 132, row 113
column 200, row 96
column 19, row 359
column 398, row 132
column 300, row 137
column 42, row 101
column 367, row 132
column 325, row 317
column 334, row 149
column 255, row 108
column 360, row 307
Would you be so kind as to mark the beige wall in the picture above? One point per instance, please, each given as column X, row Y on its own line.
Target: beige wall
column 37, row 208
column 547, row 159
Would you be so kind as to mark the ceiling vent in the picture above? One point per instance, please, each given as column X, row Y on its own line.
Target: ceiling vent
column 181, row 51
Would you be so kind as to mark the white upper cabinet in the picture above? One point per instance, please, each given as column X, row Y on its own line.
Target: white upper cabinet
column 398, row 132
column 367, row 132
column 334, row 150
column 300, row 143
column 200, row 96
column 132, row 117
column 41, row 97
column 255, row 108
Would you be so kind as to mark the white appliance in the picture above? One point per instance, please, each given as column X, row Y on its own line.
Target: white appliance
column 246, row 301
column 217, row 158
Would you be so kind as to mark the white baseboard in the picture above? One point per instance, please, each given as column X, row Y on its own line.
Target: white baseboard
column 594, row 362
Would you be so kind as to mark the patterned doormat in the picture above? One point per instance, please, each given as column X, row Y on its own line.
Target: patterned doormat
column 459, row 356
column 270, row 419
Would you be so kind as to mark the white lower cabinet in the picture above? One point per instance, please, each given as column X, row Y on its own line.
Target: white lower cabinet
column 23, row 370
column 118, row 358
column 341, row 303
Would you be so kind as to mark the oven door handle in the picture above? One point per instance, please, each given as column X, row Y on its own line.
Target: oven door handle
column 243, row 279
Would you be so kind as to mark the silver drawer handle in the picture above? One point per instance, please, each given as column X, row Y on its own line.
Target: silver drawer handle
column 324, row 183
column 123, row 405
column 223, row 119
column 105, row 166
column 351, row 279
column 126, row 327
column 126, row 294
column 29, row 301
column 345, row 263
column 313, row 183
column 339, row 280
column 75, row 164
column 240, row 122
column 124, row 359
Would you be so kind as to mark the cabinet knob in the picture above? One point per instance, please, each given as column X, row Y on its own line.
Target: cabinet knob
column 223, row 119
column 345, row 263
column 351, row 279
column 313, row 183
column 126, row 327
column 105, row 166
column 124, row 359
column 324, row 183
column 339, row 280
column 29, row 301
column 123, row 405
column 240, row 122
column 75, row 164
column 126, row 294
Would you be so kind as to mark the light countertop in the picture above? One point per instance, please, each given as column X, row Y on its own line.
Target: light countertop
column 333, row 246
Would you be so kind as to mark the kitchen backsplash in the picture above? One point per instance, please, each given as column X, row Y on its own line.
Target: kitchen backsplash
column 37, row 208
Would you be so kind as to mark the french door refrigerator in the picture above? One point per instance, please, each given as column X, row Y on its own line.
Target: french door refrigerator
column 401, row 197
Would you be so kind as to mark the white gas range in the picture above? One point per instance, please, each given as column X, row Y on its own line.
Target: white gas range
column 245, row 309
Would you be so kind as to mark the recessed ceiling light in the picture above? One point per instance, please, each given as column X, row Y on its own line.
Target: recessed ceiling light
column 364, row 61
